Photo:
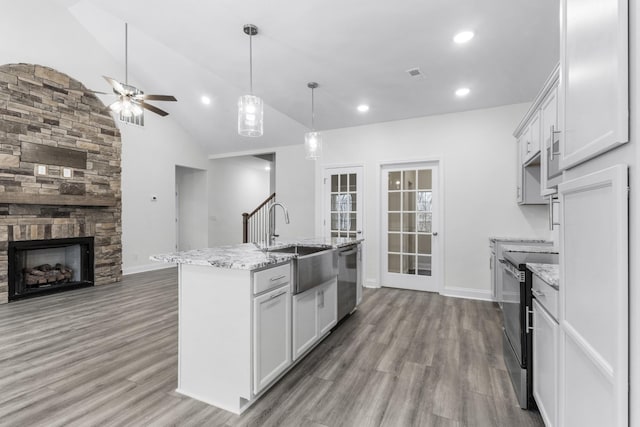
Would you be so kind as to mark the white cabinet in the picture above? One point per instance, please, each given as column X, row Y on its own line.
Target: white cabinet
column 271, row 336
column 545, row 363
column 531, row 135
column 550, row 174
column 594, row 117
column 594, row 305
column 315, row 312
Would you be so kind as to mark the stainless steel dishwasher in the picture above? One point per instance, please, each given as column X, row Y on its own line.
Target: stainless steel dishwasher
column 347, row 280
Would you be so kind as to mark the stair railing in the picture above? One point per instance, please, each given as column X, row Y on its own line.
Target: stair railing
column 255, row 225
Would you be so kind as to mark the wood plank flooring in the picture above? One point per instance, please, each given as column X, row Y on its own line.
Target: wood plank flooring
column 107, row 356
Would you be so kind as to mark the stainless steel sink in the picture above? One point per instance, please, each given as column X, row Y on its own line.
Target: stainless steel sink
column 313, row 266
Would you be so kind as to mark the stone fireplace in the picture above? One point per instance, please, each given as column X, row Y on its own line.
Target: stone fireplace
column 60, row 154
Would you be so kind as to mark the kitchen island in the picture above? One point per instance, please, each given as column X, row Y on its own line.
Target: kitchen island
column 240, row 327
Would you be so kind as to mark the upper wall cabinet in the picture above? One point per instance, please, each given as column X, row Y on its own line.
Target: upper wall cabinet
column 594, row 99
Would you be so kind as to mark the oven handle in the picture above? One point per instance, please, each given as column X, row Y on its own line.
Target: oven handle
column 517, row 274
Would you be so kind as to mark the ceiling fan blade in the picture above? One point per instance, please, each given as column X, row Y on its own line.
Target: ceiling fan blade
column 96, row 91
column 155, row 97
column 117, row 86
column 153, row 108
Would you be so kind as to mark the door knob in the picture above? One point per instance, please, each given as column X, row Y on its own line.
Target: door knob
column 359, row 232
column 435, row 233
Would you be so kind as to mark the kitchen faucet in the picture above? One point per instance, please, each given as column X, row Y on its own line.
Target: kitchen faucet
column 272, row 222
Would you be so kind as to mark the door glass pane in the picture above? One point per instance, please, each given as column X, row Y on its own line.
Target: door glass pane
column 352, row 182
column 354, row 208
column 424, row 222
column 409, row 243
column 394, row 242
column 334, row 183
column 409, row 201
column 394, row 263
column 409, row 222
column 424, row 179
column 394, row 180
column 409, row 180
column 424, row 244
column 334, row 221
column 394, row 222
column 334, row 202
column 424, row 265
column 352, row 221
column 409, row 264
column 423, row 202
column 343, row 183
column 394, row 201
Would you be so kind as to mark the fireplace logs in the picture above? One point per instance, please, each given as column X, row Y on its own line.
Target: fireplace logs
column 46, row 274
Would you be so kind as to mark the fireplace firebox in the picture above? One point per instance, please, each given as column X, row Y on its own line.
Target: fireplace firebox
column 38, row 267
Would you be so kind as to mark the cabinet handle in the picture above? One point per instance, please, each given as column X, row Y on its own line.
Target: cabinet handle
column 537, row 293
column 273, row 279
column 528, row 322
column 277, row 295
column 553, row 140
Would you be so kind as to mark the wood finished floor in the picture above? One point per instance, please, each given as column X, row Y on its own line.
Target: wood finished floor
column 107, row 356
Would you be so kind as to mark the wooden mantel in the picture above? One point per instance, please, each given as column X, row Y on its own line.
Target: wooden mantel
column 56, row 200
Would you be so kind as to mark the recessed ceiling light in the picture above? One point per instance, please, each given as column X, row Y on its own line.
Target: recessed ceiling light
column 463, row 91
column 267, row 168
column 363, row 108
column 205, row 100
column 463, row 36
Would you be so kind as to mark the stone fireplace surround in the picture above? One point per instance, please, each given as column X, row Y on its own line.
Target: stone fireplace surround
column 48, row 118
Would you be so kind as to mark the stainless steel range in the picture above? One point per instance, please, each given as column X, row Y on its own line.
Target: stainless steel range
column 517, row 310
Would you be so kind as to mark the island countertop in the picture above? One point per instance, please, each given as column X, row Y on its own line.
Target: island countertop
column 550, row 273
column 248, row 256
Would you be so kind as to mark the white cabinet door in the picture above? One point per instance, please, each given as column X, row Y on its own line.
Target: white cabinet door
column 305, row 322
column 545, row 364
column 271, row 336
column 549, row 142
column 532, row 145
column 327, row 301
column 594, row 98
column 594, row 300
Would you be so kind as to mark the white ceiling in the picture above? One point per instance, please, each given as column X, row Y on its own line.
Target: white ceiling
column 357, row 50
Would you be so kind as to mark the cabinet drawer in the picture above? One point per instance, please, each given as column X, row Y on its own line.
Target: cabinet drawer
column 546, row 295
column 271, row 278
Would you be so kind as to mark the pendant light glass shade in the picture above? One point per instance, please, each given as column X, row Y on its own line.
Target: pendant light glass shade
column 250, row 115
column 250, row 107
column 312, row 139
column 312, row 145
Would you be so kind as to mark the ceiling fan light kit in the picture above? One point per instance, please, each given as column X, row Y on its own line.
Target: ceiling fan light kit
column 250, row 107
column 131, row 101
column 313, row 138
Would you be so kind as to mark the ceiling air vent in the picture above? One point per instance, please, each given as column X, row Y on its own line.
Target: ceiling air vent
column 416, row 73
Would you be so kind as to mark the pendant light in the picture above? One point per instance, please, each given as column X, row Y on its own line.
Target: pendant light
column 312, row 139
column 250, row 108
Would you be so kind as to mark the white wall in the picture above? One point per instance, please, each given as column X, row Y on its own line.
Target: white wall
column 192, row 201
column 236, row 185
column 294, row 183
column 478, row 160
column 52, row 37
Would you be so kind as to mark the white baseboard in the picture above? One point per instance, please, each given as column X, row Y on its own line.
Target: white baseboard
column 371, row 283
column 469, row 293
column 146, row 267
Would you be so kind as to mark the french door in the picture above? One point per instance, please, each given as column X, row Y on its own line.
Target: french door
column 343, row 202
column 409, row 226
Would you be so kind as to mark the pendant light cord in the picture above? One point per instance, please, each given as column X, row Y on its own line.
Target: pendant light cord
column 313, row 112
column 251, row 64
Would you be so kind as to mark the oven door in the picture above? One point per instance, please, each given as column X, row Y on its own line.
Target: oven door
column 512, row 308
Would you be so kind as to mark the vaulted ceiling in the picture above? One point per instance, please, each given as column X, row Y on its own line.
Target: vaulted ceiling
column 357, row 50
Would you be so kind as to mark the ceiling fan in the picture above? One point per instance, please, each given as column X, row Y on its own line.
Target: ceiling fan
column 131, row 100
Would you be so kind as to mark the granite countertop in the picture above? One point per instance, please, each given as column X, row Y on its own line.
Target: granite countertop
column 519, row 239
column 247, row 256
column 529, row 248
column 550, row 273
